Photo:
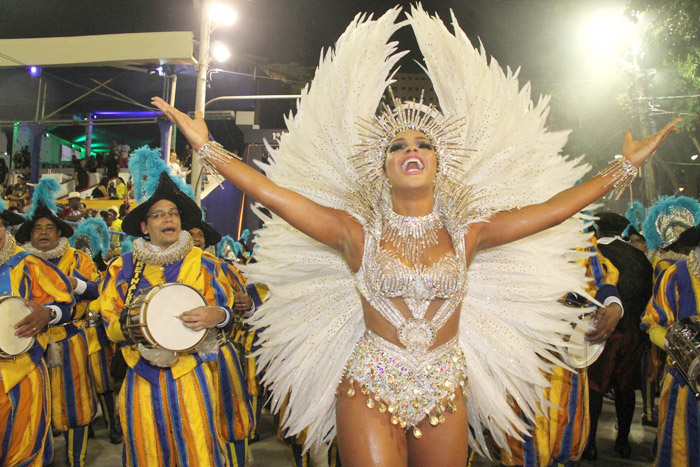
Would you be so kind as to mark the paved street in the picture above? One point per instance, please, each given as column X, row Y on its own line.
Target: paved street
column 270, row 452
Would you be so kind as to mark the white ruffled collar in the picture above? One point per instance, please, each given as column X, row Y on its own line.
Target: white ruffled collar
column 151, row 254
column 53, row 253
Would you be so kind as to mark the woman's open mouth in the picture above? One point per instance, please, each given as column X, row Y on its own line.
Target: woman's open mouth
column 412, row 165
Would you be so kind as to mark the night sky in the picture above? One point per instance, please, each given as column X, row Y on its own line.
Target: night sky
column 519, row 33
column 540, row 37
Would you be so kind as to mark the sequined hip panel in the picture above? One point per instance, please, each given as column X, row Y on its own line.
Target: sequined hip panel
column 409, row 386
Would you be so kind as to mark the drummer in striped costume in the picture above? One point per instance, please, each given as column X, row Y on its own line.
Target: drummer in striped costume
column 560, row 434
column 669, row 228
column 236, row 413
column 92, row 237
column 72, row 400
column 676, row 296
column 24, row 381
column 168, row 403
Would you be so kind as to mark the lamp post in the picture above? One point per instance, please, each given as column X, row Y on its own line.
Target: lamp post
column 224, row 17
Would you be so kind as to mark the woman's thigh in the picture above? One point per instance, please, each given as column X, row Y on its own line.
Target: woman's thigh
column 442, row 445
column 365, row 436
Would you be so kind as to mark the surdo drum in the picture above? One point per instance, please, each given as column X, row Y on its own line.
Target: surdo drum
column 153, row 318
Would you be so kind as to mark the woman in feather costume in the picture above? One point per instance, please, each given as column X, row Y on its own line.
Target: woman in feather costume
column 367, row 256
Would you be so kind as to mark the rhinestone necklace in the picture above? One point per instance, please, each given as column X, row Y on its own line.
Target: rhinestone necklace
column 410, row 234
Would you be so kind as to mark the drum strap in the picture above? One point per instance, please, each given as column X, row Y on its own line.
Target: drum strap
column 134, row 282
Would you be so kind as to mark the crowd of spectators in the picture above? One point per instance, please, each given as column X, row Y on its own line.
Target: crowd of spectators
column 111, row 184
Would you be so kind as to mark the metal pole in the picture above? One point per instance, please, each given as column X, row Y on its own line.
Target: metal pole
column 201, row 92
column 38, row 102
column 169, row 144
column 88, row 136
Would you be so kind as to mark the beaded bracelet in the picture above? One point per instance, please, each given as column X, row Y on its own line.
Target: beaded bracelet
column 214, row 152
column 622, row 174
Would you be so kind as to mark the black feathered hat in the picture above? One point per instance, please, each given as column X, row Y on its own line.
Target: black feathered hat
column 43, row 207
column 190, row 214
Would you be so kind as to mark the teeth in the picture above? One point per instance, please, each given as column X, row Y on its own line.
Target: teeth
column 412, row 159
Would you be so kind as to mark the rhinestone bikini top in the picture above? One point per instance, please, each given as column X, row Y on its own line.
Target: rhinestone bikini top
column 382, row 276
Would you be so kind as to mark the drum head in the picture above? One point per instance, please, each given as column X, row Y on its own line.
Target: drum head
column 583, row 354
column 164, row 325
column 13, row 310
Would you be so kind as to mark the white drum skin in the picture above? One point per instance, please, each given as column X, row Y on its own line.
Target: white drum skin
column 12, row 311
column 155, row 317
column 589, row 353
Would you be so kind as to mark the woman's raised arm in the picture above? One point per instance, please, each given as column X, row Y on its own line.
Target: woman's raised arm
column 329, row 226
column 508, row 226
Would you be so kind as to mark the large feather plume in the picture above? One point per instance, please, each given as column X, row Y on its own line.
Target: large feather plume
column 146, row 165
column 45, row 194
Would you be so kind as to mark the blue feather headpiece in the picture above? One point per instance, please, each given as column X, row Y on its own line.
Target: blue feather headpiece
column 96, row 231
column 44, row 194
column 227, row 248
column 669, row 218
column 636, row 215
column 146, row 166
column 127, row 244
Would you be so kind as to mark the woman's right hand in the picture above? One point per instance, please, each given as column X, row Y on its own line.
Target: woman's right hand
column 195, row 130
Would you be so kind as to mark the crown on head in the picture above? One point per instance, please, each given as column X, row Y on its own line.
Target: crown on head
column 670, row 225
column 377, row 133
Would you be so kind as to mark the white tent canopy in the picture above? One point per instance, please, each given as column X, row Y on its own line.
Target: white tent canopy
column 174, row 47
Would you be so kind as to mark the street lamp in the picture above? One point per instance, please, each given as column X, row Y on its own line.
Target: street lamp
column 608, row 33
column 213, row 14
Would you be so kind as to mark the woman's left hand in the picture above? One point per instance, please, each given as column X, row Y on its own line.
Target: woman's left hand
column 639, row 151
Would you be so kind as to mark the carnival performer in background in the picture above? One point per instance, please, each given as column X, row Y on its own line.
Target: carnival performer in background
column 669, row 226
column 92, row 238
column 25, row 412
column 676, row 296
column 233, row 256
column 235, row 411
column 559, row 434
column 619, row 366
column 368, row 307
column 666, row 220
column 73, row 406
column 168, row 402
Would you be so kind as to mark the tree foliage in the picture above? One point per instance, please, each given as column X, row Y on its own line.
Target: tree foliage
column 673, row 37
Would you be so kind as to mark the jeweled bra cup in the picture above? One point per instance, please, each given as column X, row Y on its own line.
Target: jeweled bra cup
column 408, row 386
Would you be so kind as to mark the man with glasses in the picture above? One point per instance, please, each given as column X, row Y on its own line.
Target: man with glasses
column 73, row 406
column 168, row 406
column 24, row 380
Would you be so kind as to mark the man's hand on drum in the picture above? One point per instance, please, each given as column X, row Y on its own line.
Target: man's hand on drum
column 35, row 322
column 73, row 282
column 604, row 324
column 242, row 303
column 203, row 317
